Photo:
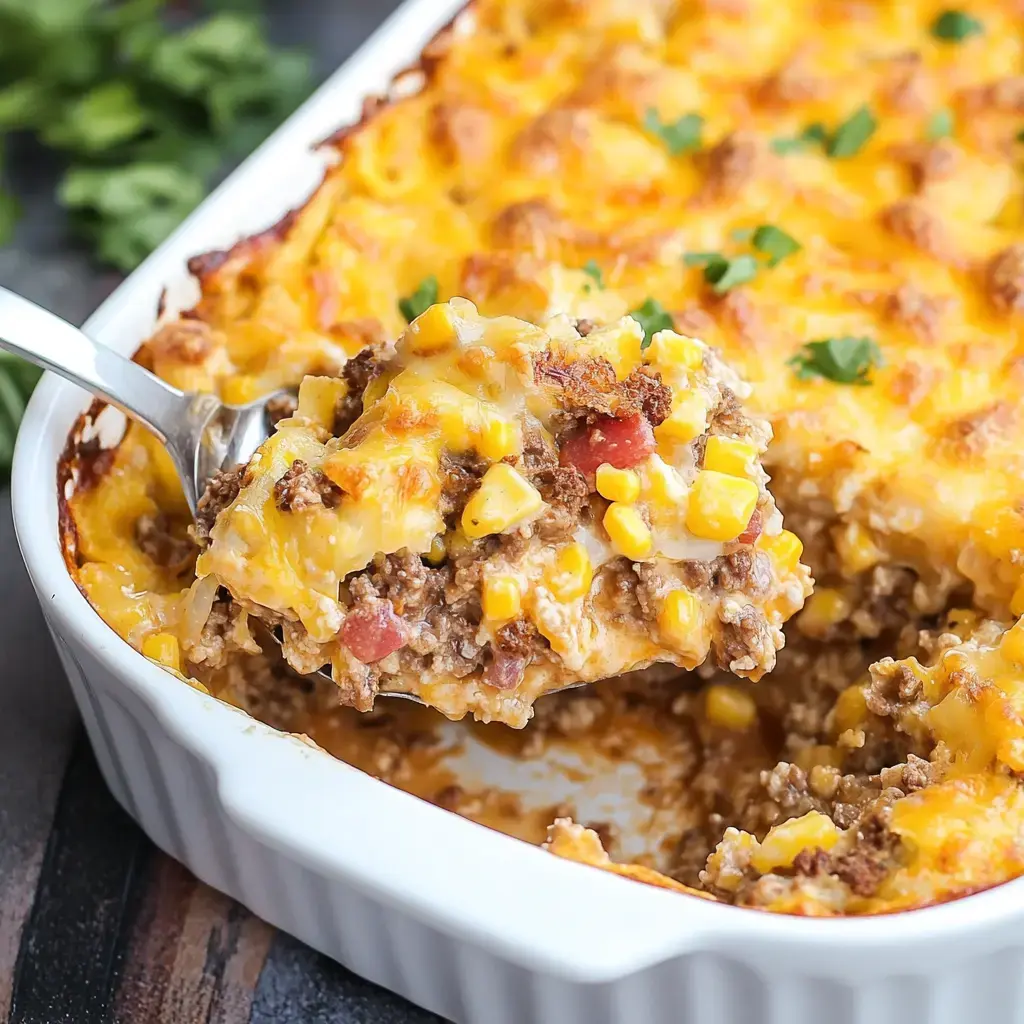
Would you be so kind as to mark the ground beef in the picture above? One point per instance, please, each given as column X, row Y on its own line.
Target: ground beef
column 728, row 417
column 743, row 570
column 460, row 477
column 730, row 165
column 584, row 327
column 303, row 488
column 160, row 540
column 913, row 222
column 281, row 407
column 920, row 313
column 927, row 162
column 1004, row 279
column 220, row 492
column 357, row 374
column 564, row 488
column 865, row 867
column 215, row 644
column 745, row 642
column 413, row 588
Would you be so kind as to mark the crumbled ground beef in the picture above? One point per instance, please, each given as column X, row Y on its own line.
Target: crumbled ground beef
column 744, row 569
column 215, row 642
column 745, row 641
column 159, row 538
column 222, row 489
column 460, row 477
column 563, row 487
column 357, row 373
column 281, row 407
column 303, row 488
column 1004, row 279
column 730, row 165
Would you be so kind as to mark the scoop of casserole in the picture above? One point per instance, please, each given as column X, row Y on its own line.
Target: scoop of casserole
column 493, row 510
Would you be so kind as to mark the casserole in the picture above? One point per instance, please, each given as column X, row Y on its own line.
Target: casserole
column 221, row 793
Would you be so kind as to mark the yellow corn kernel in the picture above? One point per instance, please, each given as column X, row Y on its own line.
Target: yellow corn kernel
column 850, row 709
column 688, row 419
column 571, row 574
column 671, row 349
column 163, row 647
column 504, row 498
column 681, row 622
column 437, row 552
column 665, row 489
column 318, row 399
column 729, row 707
column 857, row 550
column 501, row 598
column 1017, row 600
column 497, row 438
column 376, row 389
column 784, row 841
column 617, row 484
column 720, row 505
column 784, row 549
column 1012, row 644
column 1011, row 753
column 241, row 390
column 825, row 608
column 629, row 534
column 729, row 455
column 432, row 331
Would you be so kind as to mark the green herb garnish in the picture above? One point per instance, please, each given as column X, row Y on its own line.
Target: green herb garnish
column 774, row 243
column 849, row 138
column 813, row 135
column 701, row 259
column 845, row 360
column 652, row 317
column 1020, row 135
column 940, row 125
column 954, row 26
column 593, row 271
column 725, row 274
column 682, row 136
column 420, row 300
column 17, row 379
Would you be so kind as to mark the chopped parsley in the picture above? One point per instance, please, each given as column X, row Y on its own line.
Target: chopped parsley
column 775, row 243
column 845, row 360
column 652, row 317
column 741, row 234
column 593, row 271
column 954, row 26
column 724, row 274
column 1020, row 135
column 701, row 259
column 813, row 135
column 940, row 125
column 849, row 138
column 682, row 136
column 420, row 300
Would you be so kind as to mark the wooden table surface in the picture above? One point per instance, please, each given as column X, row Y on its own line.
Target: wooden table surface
column 96, row 925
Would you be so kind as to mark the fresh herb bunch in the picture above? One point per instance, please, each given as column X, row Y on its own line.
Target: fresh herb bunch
column 144, row 101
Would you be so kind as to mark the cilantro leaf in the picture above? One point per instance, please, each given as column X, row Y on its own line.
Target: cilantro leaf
column 104, row 117
column 17, row 379
column 593, row 270
column 953, row 26
column 420, row 300
column 813, row 135
column 940, row 125
column 725, row 274
column 702, row 259
column 682, row 136
column 843, row 360
column 850, row 137
column 775, row 243
column 652, row 317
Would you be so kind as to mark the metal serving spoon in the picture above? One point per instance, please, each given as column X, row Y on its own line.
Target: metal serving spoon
column 201, row 433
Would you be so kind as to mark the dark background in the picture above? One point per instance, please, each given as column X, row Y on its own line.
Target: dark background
column 95, row 924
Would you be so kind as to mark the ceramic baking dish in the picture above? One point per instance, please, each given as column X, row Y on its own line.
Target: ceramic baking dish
column 459, row 919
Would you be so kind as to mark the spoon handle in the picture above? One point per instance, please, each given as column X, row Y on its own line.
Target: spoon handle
column 43, row 338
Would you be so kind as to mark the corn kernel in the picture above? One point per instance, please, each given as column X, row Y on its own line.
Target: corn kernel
column 504, row 498
column 1017, row 600
column 784, row 549
column 318, row 399
column 784, row 841
column 680, row 623
column 571, row 574
column 432, row 331
column 826, row 608
column 850, row 709
column 671, row 349
column 688, row 419
column 501, row 598
column 1012, row 643
column 729, row 455
column 1011, row 753
column 729, row 707
column 720, row 505
column 163, row 647
column 629, row 534
column 665, row 489
column 857, row 550
column 617, row 484
column 241, row 390
column 376, row 389
column 437, row 552
column 497, row 438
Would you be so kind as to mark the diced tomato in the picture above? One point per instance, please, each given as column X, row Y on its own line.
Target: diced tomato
column 753, row 530
column 620, row 442
column 372, row 632
column 505, row 672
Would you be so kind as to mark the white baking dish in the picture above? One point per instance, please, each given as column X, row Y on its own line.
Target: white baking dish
column 459, row 919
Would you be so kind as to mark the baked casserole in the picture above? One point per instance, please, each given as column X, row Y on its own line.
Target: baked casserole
column 827, row 195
